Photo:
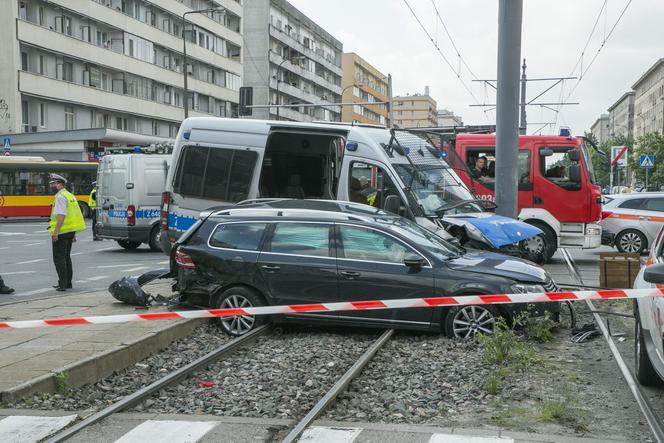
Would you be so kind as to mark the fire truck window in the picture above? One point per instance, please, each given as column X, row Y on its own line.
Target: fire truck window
column 370, row 185
column 484, row 171
column 555, row 167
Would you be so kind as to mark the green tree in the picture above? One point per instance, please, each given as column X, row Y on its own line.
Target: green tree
column 651, row 143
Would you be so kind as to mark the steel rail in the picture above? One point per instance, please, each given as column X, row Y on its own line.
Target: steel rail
column 339, row 387
column 653, row 421
column 136, row 397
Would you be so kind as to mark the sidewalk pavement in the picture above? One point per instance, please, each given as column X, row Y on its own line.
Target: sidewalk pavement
column 43, row 359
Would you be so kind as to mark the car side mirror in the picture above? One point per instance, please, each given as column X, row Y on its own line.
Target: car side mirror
column 574, row 155
column 392, row 204
column 654, row 273
column 575, row 173
column 414, row 261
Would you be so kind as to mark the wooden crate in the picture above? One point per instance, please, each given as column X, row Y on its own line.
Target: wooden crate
column 618, row 270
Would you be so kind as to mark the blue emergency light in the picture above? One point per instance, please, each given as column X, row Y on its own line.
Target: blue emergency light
column 351, row 146
column 565, row 131
column 186, row 134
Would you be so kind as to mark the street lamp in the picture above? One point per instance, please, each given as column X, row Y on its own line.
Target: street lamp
column 184, row 52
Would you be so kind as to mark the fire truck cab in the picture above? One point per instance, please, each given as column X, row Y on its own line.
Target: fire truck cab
column 557, row 190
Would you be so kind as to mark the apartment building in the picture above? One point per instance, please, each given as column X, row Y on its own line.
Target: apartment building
column 80, row 65
column 621, row 116
column 362, row 83
column 447, row 119
column 600, row 128
column 290, row 60
column 649, row 100
column 415, row 111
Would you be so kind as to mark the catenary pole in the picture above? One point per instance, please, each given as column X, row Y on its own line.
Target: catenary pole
column 507, row 109
column 523, row 124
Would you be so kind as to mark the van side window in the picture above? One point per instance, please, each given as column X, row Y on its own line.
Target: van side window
column 215, row 173
column 370, row 185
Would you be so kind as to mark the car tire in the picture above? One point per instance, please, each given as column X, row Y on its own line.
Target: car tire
column 85, row 210
column 547, row 240
column 154, row 240
column 130, row 245
column 469, row 321
column 645, row 372
column 631, row 240
column 239, row 297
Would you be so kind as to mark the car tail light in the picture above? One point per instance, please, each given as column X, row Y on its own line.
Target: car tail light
column 183, row 260
column 131, row 215
column 606, row 214
column 165, row 202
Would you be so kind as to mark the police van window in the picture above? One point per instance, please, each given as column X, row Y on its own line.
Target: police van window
column 370, row 185
column 245, row 236
column 554, row 166
column 482, row 165
column 654, row 204
column 215, row 173
column 633, row 203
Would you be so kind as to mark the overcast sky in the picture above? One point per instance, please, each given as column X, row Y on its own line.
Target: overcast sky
column 385, row 33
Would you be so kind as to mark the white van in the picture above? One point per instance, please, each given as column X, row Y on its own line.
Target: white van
column 129, row 189
column 220, row 162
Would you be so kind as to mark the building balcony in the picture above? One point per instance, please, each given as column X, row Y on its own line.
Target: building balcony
column 295, row 44
column 293, row 91
column 291, row 114
column 67, row 92
column 117, row 19
column 311, row 76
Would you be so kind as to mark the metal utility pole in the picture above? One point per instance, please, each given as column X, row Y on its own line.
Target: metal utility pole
column 523, row 125
column 507, row 106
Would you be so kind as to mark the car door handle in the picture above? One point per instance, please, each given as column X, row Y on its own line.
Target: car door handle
column 271, row 268
column 350, row 274
column 643, row 217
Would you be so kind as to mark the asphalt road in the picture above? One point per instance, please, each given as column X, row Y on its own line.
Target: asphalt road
column 26, row 262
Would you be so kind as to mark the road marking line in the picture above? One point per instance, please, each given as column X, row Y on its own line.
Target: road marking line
column 98, row 277
column 34, row 244
column 18, row 272
column 19, row 241
column 117, row 266
column 165, row 262
column 22, row 429
column 134, row 269
column 77, row 253
column 451, row 438
column 36, row 291
column 4, row 247
column 9, row 234
column 80, row 281
column 177, row 431
column 104, row 249
column 42, row 231
column 37, row 260
column 324, row 434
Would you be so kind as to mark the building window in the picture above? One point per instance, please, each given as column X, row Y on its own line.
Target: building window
column 22, row 11
column 41, row 16
column 67, row 27
column 24, row 61
column 24, row 112
column 155, row 128
column 69, row 118
column 68, row 72
column 42, row 64
column 42, row 115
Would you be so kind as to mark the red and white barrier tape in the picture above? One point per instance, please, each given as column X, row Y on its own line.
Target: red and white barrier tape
column 430, row 302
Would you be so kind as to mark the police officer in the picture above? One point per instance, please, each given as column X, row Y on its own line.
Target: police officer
column 92, row 204
column 3, row 288
column 66, row 221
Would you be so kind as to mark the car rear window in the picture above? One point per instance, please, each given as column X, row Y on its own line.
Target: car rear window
column 301, row 239
column 634, row 203
column 654, row 204
column 245, row 236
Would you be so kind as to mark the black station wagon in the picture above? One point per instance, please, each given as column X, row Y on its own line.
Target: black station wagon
column 281, row 252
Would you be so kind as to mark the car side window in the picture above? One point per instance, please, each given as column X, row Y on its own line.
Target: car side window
column 633, row 203
column 301, row 239
column 245, row 236
column 367, row 244
column 654, row 204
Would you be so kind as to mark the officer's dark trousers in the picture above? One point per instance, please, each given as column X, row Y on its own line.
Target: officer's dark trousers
column 95, row 234
column 62, row 259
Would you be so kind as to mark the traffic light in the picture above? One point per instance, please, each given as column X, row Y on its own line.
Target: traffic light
column 246, row 100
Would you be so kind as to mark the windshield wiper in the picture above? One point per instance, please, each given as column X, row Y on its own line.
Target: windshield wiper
column 482, row 203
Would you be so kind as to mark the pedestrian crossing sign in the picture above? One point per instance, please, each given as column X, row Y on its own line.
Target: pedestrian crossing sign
column 647, row 161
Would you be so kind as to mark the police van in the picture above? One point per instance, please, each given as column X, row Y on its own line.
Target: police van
column 220, row 162
column 129, row 189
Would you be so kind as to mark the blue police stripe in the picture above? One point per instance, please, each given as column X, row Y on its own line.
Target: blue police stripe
column 180, row 222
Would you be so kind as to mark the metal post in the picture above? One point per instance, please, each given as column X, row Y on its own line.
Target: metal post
column 523, row 125
column 507, row 109
column 389, row 101
column 184, row 66
column 647, row 179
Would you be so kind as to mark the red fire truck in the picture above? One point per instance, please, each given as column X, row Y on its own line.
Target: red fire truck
column 557, row 190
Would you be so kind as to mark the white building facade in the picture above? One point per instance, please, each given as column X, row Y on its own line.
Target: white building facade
column 600, row 128
column 116, row 64
column 621, row 116
column 649, row 101
column 447, row 119
column 290, row 60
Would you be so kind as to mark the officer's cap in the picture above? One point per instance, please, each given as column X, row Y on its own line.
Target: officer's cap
column 56, row 178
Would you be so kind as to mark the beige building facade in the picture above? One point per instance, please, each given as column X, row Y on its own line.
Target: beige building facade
column 600, row 128
column 447, row 119
column 621, row 116
column 415, row 111
column 362, row 83
column 649, row 100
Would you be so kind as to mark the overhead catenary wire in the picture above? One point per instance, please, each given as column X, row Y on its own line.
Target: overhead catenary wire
column 456, row 49
column 447, row 61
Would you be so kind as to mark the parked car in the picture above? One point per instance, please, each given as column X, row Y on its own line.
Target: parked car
column 286, row 251
column 635, row 218
column 649, row 312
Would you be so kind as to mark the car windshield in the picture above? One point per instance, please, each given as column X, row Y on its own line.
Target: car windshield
column 424, row 239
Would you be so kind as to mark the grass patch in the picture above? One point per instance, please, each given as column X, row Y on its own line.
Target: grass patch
column 563, row 412
column 539, row 328
column 61, row 382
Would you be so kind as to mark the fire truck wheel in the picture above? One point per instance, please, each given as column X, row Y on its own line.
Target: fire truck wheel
column 540, row 249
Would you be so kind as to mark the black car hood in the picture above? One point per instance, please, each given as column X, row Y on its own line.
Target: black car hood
column 484, row 262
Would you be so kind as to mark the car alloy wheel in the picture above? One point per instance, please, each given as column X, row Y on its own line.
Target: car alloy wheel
column 472, row 320
column 240, row 324
column 631, row 242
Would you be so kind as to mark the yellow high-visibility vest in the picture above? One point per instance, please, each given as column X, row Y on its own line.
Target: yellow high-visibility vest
column 74, row 221
column 92, row 201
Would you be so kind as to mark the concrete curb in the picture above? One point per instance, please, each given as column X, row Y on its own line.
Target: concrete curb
column 98, row 366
